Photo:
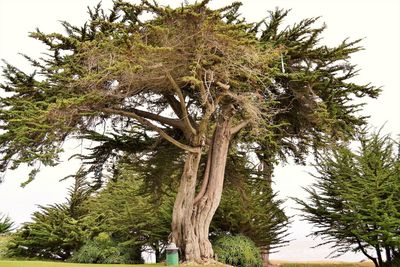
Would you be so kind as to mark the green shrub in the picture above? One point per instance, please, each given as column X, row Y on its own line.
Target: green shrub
column 55, row 230
column 4, row 239
column 238, row 251
column 101, row 250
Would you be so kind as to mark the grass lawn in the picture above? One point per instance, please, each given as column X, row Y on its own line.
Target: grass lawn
column 4, row 263
column 325, row 265
column 61, row 264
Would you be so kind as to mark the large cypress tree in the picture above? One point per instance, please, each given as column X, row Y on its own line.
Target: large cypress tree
column 204, row 80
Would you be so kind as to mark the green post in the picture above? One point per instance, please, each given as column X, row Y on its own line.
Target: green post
column 172, row 254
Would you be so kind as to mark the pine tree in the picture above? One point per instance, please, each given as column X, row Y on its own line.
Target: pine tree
column 56, row 230
column 249, row 207
column 131, row 216
column 355, row 202
column 6, row 224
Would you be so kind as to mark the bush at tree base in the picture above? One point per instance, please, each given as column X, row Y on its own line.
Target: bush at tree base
column 102, row 249
column 238, row 251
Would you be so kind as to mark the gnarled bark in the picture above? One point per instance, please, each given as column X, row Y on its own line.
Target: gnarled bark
column 191, row 219
column 182, row 229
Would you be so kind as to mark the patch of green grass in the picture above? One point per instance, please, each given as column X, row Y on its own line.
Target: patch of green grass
column 326, row 265
column 62, row 264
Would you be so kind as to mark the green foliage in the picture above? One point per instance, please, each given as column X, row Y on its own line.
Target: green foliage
column 115, row 78
column 102, row 249
column 238, row 251
column 55, row 230
column 131, row 216
column 294, row 91
column 249, row 207
column 6, row 224
column 355, row 202
column 4, row 239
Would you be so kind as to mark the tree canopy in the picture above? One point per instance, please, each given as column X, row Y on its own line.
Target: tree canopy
column 116, row 66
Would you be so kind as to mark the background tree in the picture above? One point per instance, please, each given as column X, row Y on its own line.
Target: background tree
column 355, row 202
column 250, row 208
column 204, row 80
column 133, row 218
column 6, row 224
column 56, row 230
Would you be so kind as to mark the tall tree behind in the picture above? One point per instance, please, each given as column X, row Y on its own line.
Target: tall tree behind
column 195, row 77
column 249, row 207
column 125, row 210
column 6, row 224
column 355, row 202
column 56, row 230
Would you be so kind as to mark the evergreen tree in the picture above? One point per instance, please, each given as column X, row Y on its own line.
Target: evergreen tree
column 249, row 207
column 355, row 202
column 204, row 80
column 134, row 219
column 139, row 199
column 56, row 230
column 6, row 224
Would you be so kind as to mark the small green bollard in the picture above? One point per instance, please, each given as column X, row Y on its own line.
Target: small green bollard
column 172, row 254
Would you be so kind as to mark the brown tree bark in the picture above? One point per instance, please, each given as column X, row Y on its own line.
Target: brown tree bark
column 265, row 257
column 191, row 219
column 182, row 229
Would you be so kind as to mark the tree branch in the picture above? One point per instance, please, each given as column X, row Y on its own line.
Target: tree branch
column 206, row 95
column 240, row 126
column 182, row 103
column 155, row 117
column 364, row 251
column 206, row 176
column 148, row 124
column 174, row 104
column 223, row 86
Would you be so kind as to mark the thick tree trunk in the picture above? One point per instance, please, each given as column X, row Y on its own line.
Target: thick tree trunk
column 182, row 228
column 205, row 207
column 191, row 219
column 265, row 256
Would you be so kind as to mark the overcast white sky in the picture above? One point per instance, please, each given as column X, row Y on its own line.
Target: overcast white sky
column 378, row 21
